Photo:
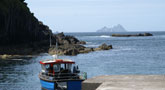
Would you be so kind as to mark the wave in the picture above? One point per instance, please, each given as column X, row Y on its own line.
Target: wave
column 123, row 48
column 105, row 36
column 91, row 45
column 88, row 42
column 102, row 36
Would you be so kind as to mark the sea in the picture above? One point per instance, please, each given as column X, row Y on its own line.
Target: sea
column 129, row 56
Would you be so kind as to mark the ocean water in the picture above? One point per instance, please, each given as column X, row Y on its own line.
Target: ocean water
column 130, row 55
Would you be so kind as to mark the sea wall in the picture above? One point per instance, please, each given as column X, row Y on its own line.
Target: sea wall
column 125, row 82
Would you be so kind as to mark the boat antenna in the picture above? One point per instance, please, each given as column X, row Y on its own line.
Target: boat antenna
column 55, row 56
column 56, row 44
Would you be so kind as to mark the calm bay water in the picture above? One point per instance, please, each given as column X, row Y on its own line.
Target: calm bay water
column 131, row 55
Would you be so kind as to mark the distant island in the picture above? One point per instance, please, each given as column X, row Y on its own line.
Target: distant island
column 131, row 35
column 116, row 28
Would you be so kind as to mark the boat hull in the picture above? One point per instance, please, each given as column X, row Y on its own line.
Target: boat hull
column 74, row 85
column 71, row 85
column 47, row 85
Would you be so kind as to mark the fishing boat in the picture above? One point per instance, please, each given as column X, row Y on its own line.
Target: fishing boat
column 60, row 74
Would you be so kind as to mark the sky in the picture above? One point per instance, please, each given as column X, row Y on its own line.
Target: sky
column 91, row 15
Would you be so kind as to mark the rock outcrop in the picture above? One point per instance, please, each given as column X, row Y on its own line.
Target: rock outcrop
column 21, row 33
column 74, row 49
column 131, row 35
column 66, row 40
column 18, row 25
column 103, row 47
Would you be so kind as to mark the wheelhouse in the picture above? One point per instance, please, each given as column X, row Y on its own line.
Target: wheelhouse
column 58, row 66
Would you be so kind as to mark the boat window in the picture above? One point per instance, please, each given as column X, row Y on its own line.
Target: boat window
column 47, row 66
column 43, row 67
column 69, row 66
column 56, row 67
column 66, row 66
column 62, row 66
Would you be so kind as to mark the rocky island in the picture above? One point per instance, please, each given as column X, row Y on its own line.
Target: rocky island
column 21, row 33
column 116, row 28
column 131, row 35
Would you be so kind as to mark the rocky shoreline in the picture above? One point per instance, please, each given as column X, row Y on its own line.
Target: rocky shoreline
column 76, row 49
column 61, row 45
column 69, row 45
column 131, row 35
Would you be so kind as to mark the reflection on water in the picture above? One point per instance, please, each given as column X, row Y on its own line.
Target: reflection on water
column 21, row 74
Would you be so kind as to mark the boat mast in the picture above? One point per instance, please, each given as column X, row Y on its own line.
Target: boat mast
column 56, row 45
column 55, row 56
column 50, row 40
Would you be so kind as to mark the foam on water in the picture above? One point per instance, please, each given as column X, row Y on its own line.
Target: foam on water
column 100, row 36
column 91, row 45
column 105, row 36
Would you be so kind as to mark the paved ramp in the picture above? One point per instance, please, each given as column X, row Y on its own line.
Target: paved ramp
column 125, row 82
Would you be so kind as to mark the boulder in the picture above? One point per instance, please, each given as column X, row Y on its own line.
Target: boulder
column 81, row 42
column 66, row 39
column 148, row 34
column 87, row 50
column 97, row 49
column 105, row 47
column 71, row 52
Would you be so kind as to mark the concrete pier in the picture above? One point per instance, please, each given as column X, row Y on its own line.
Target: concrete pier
column 125, row 82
